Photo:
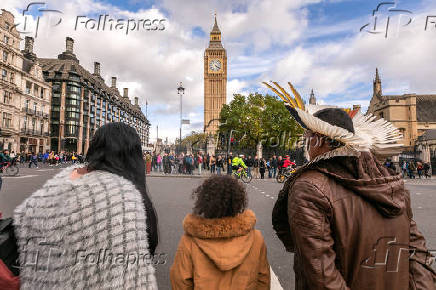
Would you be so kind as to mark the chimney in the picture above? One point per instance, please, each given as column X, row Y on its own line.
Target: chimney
column 126, row 93
column 69, row 45
column 136, row 101
column 28, row 44
column 96, row 68
column 28, row 48
column 68, row 54
column 114, row 82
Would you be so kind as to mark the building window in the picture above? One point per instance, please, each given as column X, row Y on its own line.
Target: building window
column 5, row 56
column 41, row 95
column 35, row 105
column 6, row 39
column 7, row 120
column 28, row 87
column 7, row 26
column 42, row 127
column 7, row 98
column 4, row 74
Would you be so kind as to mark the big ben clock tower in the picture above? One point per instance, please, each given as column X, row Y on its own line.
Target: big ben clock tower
column 215, row 80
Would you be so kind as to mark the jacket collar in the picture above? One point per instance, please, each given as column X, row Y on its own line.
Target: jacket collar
column 227, row 227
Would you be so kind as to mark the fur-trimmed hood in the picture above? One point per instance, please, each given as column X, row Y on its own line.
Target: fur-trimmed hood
column 226, row 241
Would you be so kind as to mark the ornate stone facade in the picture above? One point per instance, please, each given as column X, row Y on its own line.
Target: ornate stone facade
column 82, row 102
column 215, row 80
column 24, row 95
column 412, row 114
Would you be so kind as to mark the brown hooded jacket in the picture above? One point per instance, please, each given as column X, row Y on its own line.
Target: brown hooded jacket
column 220, row 254
column 349, row 222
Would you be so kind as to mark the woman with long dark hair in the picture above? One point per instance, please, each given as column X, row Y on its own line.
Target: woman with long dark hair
column 91, row 227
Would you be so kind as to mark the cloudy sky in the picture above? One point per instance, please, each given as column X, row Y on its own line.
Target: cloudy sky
column 316, row 44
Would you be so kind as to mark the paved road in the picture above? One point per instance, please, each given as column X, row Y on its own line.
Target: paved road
column 172, row 197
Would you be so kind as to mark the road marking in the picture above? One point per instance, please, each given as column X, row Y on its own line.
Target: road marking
column 272, row 197
column 23, row 176
column 263, row 192
column 419, row 207
column 275, row 283
column 267, row 195
column 418, row 193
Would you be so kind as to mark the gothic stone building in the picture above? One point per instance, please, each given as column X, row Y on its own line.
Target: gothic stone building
column 24, row 95
column 412, row 114
column 215, row 80
column 82, row 102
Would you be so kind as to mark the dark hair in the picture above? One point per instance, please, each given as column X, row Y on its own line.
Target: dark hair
column 219, row 196
column 336, row 117
column 116, row 148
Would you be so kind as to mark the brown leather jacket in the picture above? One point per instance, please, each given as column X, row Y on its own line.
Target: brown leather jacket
column 350, row 225
column 220, row 254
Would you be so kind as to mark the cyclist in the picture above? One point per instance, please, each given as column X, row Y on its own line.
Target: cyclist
column 288, row 164
column 238, row 163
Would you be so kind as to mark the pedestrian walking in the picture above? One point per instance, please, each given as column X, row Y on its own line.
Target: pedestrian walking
column 115, row 217
column 427, row 172
column 229, row 163
column 256, row 167
column 262, row 168
column 219, row 164
column 212, row 164
column 249, row 162
column 220, row 248
column 315, row 214
column 148, row 162
column 200, row 162
column 412, row 168
column 419, row 169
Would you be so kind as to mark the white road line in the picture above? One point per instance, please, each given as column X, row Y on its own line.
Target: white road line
column 263, row 192
column 272, row 197
column 418, row 193
column 24, row 176
column 275, row 283
column 267, row 195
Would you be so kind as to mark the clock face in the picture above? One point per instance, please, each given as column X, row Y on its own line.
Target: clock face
column 215, row 65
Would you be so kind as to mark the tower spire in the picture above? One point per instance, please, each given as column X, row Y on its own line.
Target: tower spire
column 377, row 84
column 312, row 99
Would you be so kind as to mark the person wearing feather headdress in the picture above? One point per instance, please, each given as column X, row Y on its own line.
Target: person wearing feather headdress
column 347, row 218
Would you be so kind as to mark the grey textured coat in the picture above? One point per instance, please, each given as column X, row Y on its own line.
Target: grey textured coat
column 88, row 233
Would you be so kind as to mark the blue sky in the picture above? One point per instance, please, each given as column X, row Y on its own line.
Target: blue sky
column 316, row 44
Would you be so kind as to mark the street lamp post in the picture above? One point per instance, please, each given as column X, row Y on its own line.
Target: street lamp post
column 180, row 92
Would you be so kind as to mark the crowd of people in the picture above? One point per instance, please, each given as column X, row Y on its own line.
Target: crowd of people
column 220, row 164
column 33, row 159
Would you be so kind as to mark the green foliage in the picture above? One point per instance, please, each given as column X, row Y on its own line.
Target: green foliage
column 259, row 119
column 195, row 139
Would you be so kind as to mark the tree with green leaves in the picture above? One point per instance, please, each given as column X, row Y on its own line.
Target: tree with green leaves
column 259, row 119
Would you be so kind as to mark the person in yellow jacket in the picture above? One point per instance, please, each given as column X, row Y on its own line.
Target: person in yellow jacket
column 220, row 248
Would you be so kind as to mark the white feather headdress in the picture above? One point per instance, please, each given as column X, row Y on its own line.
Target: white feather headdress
column 370, row 134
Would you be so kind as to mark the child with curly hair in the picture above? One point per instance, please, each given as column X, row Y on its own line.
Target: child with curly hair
column 220, row 248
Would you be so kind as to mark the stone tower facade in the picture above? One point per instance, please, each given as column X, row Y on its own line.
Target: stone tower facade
column 215, row 80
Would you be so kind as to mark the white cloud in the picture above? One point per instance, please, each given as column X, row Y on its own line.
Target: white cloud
column 269, row 39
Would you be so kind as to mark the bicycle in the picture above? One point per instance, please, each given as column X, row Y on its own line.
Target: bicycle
column 284, row 174
column 10, row 167
column 243, row 175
